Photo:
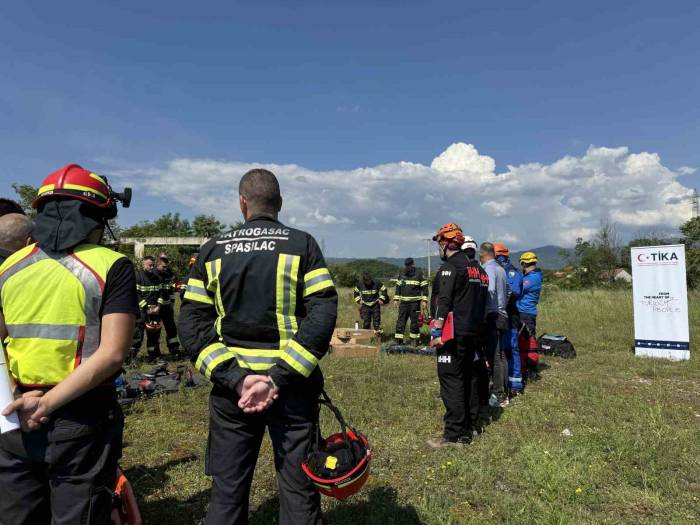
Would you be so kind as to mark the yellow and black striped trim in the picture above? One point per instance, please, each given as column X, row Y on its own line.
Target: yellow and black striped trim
column 317, row 280
column 196, row 291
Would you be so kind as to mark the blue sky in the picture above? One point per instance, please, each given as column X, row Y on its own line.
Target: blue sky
column 334, row 86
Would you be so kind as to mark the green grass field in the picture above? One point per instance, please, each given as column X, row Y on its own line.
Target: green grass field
column 634, row 456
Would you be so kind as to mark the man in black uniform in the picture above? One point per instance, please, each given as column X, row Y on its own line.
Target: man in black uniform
column 411, row 294
column 460, row 287
column 167, row 308
column 258, row 315
column 370, row 295
column 150, row 293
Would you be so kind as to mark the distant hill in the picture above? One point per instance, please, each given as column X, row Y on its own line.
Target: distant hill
column 549, row 259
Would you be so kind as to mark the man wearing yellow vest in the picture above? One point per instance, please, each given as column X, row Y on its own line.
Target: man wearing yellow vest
column 258, row 315
column 68, row 311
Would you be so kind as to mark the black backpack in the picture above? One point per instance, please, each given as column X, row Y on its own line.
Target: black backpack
column 556, row 345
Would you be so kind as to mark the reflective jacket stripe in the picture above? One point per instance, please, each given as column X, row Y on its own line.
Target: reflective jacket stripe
column 211, row 357
column 299, row 358
column 286, row 294
column 317, row 280
column 93, row 286
column 44, row 331
column 196, row 291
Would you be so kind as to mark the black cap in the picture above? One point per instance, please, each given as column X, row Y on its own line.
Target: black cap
column 408, row 261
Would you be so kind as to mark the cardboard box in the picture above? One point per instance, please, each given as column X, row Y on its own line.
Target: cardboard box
column 354, row 337
column 352, row 350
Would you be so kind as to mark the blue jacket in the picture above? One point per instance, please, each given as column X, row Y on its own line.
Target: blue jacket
column 515, row 280
column 532, row 285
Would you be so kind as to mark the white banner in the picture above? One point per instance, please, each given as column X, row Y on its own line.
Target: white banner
column 660, row 302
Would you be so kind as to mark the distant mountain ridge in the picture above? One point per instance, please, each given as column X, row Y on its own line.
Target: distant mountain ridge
column 549, row 259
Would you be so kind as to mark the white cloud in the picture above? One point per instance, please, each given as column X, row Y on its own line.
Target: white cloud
column 392, row 208
column 686, row 170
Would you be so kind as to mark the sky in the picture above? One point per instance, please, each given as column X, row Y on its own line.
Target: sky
column 524, row 122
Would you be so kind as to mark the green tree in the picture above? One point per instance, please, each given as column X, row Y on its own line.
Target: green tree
column 595, row 260
column 168, row 225
column 26, row 194
column 691, row 239
column 349, row 274
column 207, row 226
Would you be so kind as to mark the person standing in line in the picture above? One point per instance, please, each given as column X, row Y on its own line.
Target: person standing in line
column 496, row 326
column 460, row 288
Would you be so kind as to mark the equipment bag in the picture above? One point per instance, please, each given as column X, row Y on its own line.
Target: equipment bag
column 556, row 345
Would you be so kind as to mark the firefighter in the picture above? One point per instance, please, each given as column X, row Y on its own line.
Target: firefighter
column 461, row 288
column 412, row 297
column 68, row 311
column 258, row 315
column 370, row 294
column 167, row 308
column 527, row 310
column 150, row 293
column 510, row 337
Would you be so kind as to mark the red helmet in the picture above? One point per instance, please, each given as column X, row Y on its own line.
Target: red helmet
column 75, row 182
column 338, row 466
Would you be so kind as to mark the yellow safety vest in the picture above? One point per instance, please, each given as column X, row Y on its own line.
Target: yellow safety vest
column 51, row 303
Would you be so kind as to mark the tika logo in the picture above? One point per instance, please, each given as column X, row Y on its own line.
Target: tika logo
column 445, row 359
column 657, row 257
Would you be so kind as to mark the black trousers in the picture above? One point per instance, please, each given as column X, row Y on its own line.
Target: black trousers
column 63, row 474
column 496, row 356
column 167, row 314
column 371, row 315
column 458, row 377
column 152, row 339
column 408, row 310
column 234, row 444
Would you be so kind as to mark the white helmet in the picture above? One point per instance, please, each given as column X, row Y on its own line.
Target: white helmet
column 469, row 242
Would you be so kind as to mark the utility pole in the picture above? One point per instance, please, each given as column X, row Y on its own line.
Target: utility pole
column 696, row 204
column 429, row 241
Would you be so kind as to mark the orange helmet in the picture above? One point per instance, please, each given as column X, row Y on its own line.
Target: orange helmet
column 74, row 182
column 501, row 249
column 452, row 234
column 338, row 466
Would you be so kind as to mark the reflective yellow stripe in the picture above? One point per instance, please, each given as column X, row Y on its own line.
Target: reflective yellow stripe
column 142, row 303
column 286, row 294
column 78, row 187
column 414, row 283
column 317, row 280
column 299, row 358
column 97, row 177
column 195, row 291
column 211, row 357
column 213, row 272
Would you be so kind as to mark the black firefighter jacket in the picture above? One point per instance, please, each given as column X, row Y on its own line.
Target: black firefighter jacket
column 149, row 289
column 411, row 286
column 461, row 287
column 259, row 299
column 370, row 295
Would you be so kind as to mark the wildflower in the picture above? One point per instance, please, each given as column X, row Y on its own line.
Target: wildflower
column 579, row 490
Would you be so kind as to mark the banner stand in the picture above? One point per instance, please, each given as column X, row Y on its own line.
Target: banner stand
column 660, row 295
